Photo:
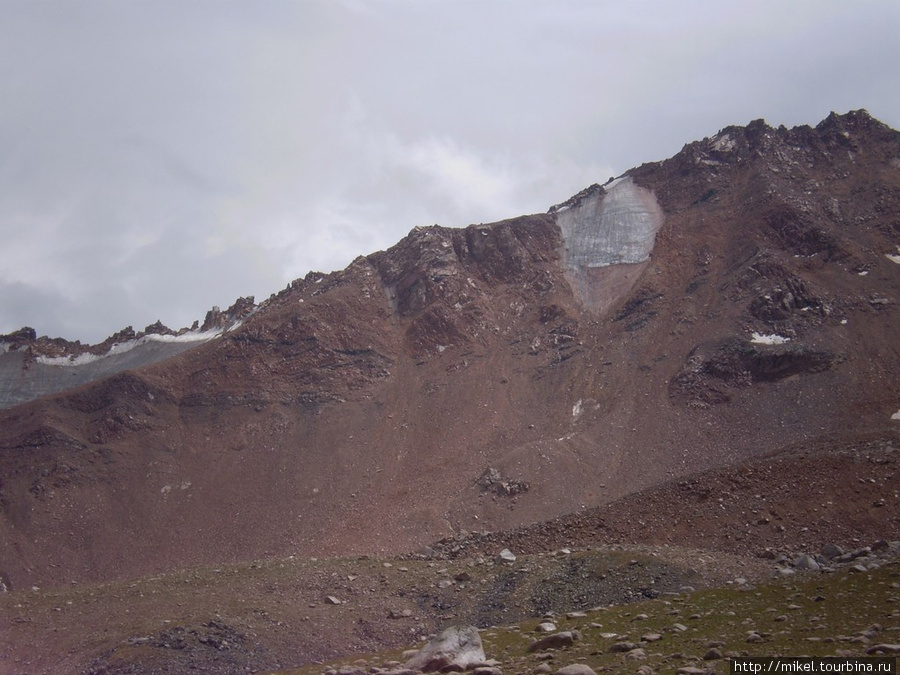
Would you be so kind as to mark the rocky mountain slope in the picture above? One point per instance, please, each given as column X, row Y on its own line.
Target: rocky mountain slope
column 278, row 612
column 694, row 314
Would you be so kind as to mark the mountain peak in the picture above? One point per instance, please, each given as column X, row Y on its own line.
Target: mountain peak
column 691, row 314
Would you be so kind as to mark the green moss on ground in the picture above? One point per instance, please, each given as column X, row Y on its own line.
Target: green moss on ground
column 812, row 614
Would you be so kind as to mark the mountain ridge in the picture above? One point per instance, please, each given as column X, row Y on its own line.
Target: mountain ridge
column 356, row 412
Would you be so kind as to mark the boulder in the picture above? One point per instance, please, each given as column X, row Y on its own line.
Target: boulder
column 576, row 669
column 487, row 670
column 622, row 647
column 506, row 556
column 458, row 646
column 831, row 551
column 806, row 562
column 564, row 639
column 884, row 649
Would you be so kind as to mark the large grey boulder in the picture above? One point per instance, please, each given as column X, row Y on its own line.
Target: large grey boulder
column 831, row 551
column 576, row 669
column 456, row 646
column 806, row 562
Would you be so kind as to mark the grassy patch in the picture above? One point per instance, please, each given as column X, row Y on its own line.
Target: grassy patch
column 814, row 614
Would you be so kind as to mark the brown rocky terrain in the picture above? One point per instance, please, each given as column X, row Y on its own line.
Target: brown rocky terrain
column 735, row 391
column 268, row 614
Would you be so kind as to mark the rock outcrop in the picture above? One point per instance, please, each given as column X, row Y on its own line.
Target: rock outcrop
column 456, row 647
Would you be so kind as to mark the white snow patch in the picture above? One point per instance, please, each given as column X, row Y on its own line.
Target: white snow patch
column 863, row 273
column 123, row 347
column 441, row 348
column 611, row 184
column 896, row 416
column 843, row 322
column 892, row 257
column 576, row 409
column 760, row 339
column 80, row 360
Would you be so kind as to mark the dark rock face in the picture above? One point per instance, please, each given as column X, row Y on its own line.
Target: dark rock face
column 400, row 378
column 713, row 370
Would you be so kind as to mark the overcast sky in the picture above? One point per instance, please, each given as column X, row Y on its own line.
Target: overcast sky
column 160, row 157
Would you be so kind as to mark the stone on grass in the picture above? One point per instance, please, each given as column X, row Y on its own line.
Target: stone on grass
column 636, row 654
column 351, row 670
column 884, row 649
column 456, row 646
column 545, row 627
column 564, row 639
column 621, row 647
column 487, row 670
column 576, row 669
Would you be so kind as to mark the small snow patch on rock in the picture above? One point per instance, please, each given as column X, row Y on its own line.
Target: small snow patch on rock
column 760, row 339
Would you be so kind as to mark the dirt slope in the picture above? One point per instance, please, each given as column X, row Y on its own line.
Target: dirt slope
column 275, row 613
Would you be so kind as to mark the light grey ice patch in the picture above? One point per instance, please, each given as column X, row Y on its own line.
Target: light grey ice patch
column 614, row 225
column 608, row 234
